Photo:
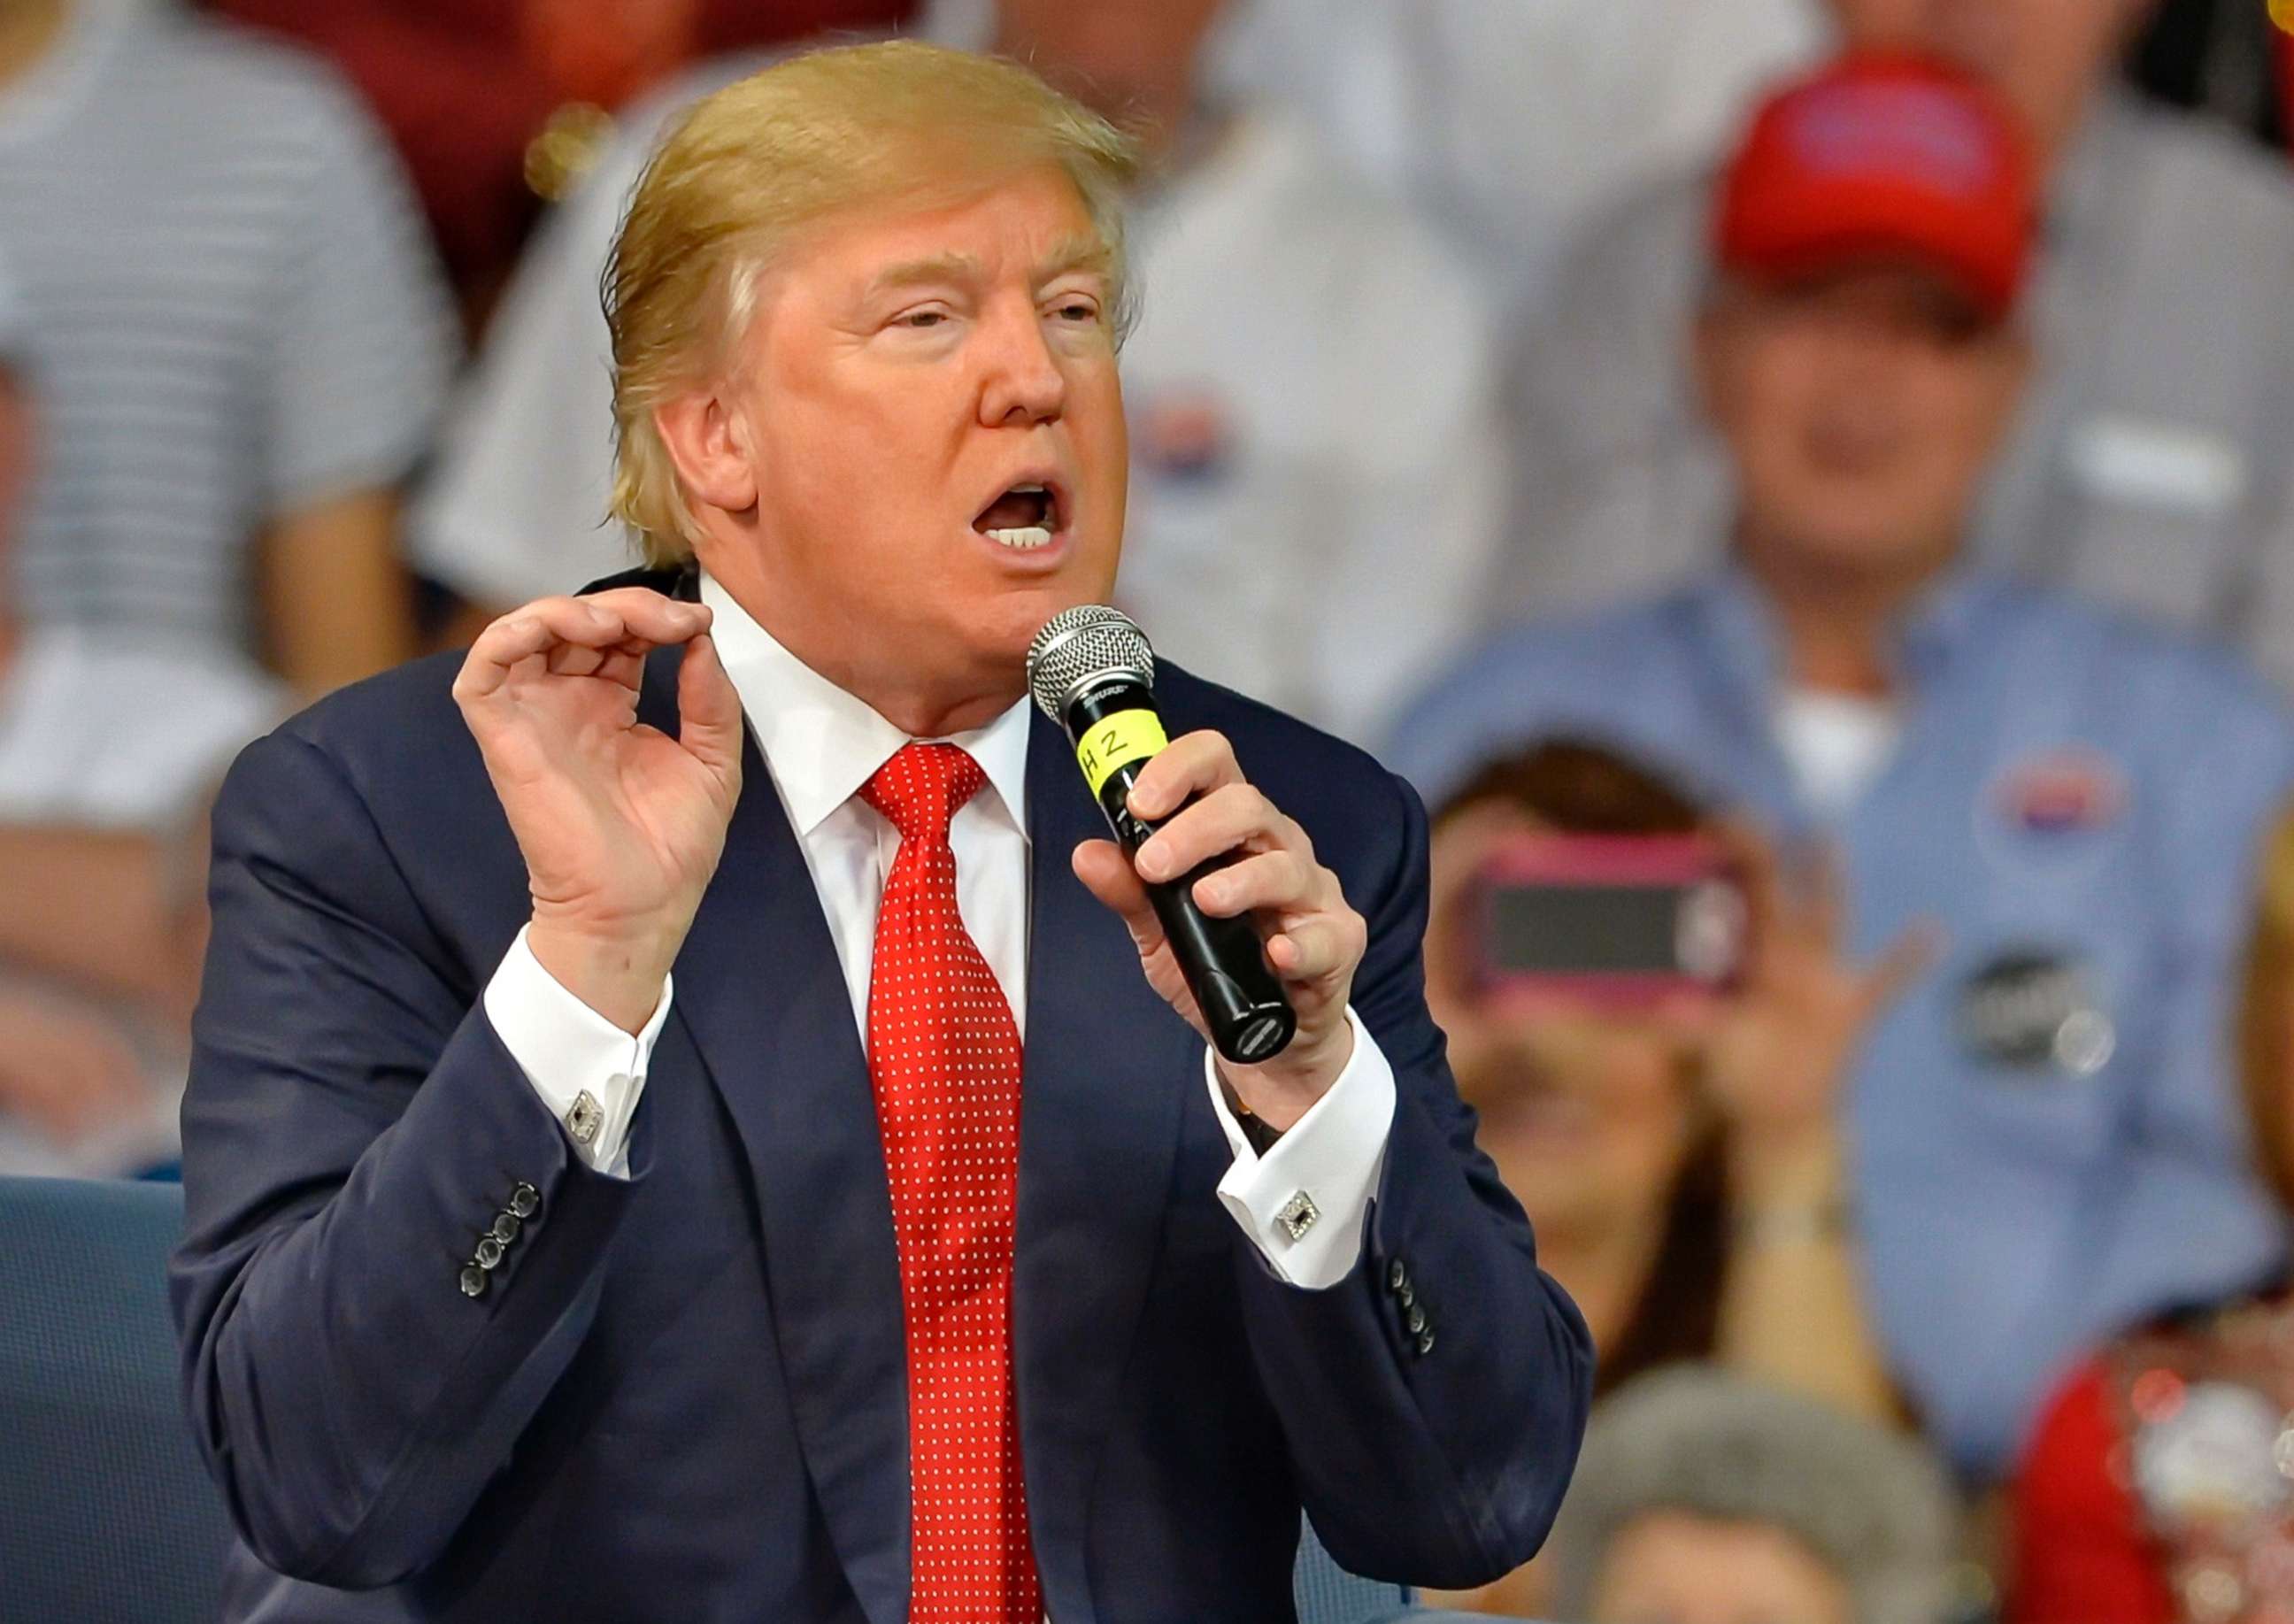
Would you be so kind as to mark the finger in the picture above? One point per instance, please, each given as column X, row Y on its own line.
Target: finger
column 1190, row 765
column 576, row 659
column 1755, row 862
column 622, row 665
column 709, row 709
column 549, row 622
column 1904, row 962
column 515, row 638
column 1107, row 875
column 1819, row 890
column 1272, row 881
column 1231, row 818
column 1314, row 948
column 650, row 615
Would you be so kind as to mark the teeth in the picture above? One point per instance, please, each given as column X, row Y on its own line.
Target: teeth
column 1027, row 539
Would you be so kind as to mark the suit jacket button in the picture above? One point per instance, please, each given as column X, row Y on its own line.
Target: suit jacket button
column 525, row 1201
column 1397, row 1278
column 1406, row 1295
column 475, row 1281
column 1416, row 1320
column 504, row 1228
column 490, row 1253
column 1425, row 1342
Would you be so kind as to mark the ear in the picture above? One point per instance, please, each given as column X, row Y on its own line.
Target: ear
column 708, row 441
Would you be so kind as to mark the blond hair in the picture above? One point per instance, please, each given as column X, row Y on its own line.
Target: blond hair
column 745, row 169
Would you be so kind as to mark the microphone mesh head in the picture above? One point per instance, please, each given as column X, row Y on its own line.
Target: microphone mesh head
column 1079, row 647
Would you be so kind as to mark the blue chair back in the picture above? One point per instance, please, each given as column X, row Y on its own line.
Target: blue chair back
column 106, row 1512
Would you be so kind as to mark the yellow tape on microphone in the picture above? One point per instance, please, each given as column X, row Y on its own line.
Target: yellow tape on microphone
column 1117, row 740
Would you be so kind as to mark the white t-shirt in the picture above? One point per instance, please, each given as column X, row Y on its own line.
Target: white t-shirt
column 1837, row 744
column 107, row 731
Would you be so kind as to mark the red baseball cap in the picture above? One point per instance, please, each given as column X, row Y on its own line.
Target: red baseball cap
column 1883, row 156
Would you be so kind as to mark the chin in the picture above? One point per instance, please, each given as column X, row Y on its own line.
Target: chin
column 1002, row 628
column 1851, row 543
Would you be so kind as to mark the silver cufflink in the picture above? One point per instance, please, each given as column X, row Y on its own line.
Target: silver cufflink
column 1297, row 1215
column 585, row 1117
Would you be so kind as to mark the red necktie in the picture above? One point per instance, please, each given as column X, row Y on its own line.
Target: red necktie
column 944, row 1055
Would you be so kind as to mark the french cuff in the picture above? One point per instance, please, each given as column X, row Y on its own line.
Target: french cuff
column 1304, row 1204
column 587, row 1070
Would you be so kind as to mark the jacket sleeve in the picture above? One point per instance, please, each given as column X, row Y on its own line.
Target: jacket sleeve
column 352, row 1126
column 1434, row 1400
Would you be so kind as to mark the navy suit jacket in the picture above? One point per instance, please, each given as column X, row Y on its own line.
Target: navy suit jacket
column 683, row 1396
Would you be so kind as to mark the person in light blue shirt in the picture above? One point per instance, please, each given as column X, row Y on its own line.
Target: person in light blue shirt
column 2044, row 1131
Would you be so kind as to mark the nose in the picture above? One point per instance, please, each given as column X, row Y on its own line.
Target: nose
column 1021, row 384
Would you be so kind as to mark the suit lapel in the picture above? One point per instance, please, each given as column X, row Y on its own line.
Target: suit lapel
column 759, row 988
column 1107, row 1071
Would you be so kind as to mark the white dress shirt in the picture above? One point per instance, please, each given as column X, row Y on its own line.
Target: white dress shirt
column 820, row 745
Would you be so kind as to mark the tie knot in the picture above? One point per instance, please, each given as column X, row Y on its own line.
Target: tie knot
column 919, row 790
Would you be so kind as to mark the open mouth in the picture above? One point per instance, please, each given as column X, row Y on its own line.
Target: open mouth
column 1025, row 517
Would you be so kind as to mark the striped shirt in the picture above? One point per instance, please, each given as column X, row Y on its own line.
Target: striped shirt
column 233, row 312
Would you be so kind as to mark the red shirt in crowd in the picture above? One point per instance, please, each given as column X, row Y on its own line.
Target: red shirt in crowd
column 464, row 85
column 2159, row 1485
column 2081, row 1553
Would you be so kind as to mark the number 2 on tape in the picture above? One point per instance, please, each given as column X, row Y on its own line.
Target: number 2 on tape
column 1118, row 741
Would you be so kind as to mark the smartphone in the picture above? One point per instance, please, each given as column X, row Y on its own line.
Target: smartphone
column 1627, row 920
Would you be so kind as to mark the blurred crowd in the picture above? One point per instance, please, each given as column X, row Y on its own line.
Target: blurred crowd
column 1799, row 486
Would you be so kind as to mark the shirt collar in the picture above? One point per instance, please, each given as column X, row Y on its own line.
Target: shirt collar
column 1741, row 622
column 822, row 744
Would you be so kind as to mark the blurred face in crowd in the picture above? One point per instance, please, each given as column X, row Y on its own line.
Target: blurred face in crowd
column 1588, row 1113
column 1861, row 412
column 1671, row 1568
column 1123, row 60
column 920, row 457
column 2046, row 56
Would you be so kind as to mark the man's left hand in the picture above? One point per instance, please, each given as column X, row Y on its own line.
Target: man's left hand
column 1313, row 938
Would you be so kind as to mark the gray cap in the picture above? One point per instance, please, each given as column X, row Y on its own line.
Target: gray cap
column 1870, row 1504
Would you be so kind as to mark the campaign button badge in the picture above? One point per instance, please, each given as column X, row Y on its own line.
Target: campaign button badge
column 2050, row 812
column 2213, row 1459
column 1181, row 434
column 2034, row 1010
column 2060, row 791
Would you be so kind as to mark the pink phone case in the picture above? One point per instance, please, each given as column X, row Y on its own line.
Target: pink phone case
column 1687, row 863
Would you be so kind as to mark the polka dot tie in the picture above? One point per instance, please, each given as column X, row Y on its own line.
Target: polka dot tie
column 944, row 1056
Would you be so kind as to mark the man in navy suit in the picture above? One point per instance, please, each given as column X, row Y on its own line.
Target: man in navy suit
column 680, row 1128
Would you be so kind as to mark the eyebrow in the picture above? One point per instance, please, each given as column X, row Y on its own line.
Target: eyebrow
column 913, row 272
column 1083, row 252
column 1077, row 253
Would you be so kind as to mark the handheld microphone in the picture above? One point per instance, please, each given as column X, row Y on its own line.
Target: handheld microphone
column 1092, row 671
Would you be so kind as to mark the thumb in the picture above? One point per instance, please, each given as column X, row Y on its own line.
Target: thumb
column 708, row 709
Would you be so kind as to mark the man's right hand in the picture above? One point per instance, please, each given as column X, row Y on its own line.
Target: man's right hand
column 621, row 825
